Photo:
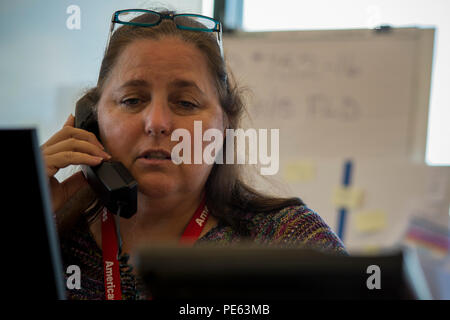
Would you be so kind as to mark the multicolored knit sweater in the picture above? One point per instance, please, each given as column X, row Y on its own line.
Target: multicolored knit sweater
column 291, row 226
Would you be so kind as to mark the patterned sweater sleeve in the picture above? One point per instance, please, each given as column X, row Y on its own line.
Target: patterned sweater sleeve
column 296, row 226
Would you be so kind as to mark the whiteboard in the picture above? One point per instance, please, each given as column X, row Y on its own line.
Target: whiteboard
column 346, row 94
column 360, row 92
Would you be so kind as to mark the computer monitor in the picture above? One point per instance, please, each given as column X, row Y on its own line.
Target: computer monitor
column 33, row 260
column 250, row 272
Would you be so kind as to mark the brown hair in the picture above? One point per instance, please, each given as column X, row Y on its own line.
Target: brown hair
column 227, row 196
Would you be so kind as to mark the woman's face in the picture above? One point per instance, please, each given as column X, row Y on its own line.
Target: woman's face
column 155, row 87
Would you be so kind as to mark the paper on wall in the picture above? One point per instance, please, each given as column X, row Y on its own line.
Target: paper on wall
column 370, row 221
column 347, row 197
column 299, row 171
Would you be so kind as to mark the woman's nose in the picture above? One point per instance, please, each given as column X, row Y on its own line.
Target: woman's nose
column 158, row 119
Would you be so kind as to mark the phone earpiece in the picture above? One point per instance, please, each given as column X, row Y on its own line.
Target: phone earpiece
column 85, row 117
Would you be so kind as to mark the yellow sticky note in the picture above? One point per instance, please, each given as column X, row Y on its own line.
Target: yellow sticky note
column 299, row 171
column 370, row 221
column 347, row 197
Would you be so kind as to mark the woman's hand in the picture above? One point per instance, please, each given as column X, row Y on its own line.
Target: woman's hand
column 70, row 146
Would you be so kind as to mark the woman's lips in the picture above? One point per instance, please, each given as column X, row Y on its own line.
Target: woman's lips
column 155, row 153
column 153, row 161
column 154, row 156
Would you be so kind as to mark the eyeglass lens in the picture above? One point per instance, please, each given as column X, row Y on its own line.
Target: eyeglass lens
column 139, row 17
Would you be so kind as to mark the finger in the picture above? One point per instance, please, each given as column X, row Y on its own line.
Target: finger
column 53, row 139
column 73, row 144
column 61, row 160
column 68, row 132
column 70, row 121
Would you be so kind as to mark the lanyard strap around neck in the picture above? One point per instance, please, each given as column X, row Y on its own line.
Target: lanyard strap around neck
column 111, row 270
column 195, row 226
column 110, row 248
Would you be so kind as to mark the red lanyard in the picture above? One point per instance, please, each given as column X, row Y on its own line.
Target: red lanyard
column 111, row 271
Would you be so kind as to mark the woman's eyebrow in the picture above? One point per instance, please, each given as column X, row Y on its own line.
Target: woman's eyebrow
column 181, row 83
column 134, row 83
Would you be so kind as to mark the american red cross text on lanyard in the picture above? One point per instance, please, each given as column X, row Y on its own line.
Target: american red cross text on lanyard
column 110, row 248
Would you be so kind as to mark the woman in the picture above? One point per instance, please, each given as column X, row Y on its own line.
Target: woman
column 161, row 74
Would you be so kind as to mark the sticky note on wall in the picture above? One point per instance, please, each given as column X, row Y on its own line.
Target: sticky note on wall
column 299, row 171
column 370, row 221
column 347, row 197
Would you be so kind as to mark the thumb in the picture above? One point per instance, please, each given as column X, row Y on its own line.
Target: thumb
column 68, row 215
column 70, row 121
column 72, row 184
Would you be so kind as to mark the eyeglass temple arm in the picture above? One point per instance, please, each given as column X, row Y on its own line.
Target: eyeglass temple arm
column 219, row 36
column 111, row 28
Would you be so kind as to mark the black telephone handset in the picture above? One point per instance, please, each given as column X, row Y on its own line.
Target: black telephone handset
column 110, row 180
